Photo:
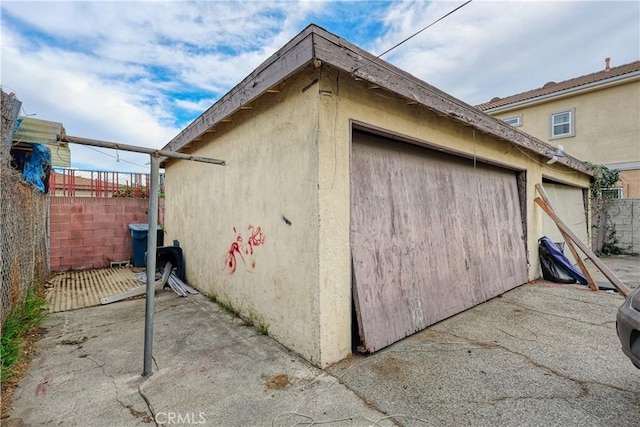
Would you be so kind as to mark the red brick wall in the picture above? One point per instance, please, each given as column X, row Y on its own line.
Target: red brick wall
column 90, row 232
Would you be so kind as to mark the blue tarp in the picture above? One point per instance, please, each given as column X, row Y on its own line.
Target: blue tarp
column 36, row 166
column 561, row 260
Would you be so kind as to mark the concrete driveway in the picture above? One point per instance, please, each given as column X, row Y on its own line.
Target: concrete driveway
column 540, row 355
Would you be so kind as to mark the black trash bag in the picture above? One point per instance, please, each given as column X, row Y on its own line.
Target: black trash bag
column 551, row 270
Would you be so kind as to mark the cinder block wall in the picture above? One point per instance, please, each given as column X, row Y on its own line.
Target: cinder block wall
column 89, row 232
column 624, row 215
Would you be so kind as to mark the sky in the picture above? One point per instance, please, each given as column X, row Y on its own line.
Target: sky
column 138, row 72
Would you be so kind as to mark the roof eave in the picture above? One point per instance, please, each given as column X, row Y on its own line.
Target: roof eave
column 317, row 44
column 282, row 64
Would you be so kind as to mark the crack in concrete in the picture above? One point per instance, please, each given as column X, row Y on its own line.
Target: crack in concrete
column 134, row 413
column 160, row 310
column 117, row 322
column 113, row 381
column 582, row 383
column 578, row 299
column 524, row 307
column 496, row 400
column 149, row 406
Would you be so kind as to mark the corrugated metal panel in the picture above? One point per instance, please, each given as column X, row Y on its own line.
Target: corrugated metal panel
column 45, row 132
column 79, row 289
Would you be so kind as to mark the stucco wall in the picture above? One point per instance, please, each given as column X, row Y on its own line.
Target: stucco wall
column 607, row 125
column 259, row 211
column 630, row 183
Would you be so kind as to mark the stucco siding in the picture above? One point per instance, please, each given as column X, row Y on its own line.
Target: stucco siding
column 249, row 230
column 335, row 252
column 630, row 183
column 607, row 129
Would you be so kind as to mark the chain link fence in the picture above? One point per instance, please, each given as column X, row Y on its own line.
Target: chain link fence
column 24, row 249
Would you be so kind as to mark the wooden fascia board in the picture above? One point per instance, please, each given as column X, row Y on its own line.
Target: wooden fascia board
column 282, row 64
column 362, row 65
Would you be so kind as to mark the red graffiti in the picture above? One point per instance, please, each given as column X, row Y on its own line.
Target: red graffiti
column 256, row 238
column 231, row 257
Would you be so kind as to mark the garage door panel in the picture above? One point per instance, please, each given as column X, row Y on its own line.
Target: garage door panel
column 568, row 203
column 425, row 239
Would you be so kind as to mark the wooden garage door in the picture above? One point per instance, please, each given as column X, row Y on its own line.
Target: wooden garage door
column 431, row 235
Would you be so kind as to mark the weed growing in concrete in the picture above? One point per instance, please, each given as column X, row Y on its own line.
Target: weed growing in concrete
column 262, row 328
column 225, row 304
column 20, row 319
column 251, row 319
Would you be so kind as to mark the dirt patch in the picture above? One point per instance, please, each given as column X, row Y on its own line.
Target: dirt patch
column 143, row 416
column 390, row 367
column 28, row 350
column 277, row 382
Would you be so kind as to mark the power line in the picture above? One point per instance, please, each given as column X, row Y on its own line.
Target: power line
column 116, row 157
column 428, row 26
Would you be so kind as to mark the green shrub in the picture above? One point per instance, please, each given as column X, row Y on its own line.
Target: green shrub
column 20, row 319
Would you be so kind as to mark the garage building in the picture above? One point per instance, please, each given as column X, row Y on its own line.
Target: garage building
column 358, row 204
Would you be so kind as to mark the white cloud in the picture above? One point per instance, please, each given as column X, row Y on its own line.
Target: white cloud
column 491, row 49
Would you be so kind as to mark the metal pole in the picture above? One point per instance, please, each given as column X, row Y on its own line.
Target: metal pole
column 153, row 223
column 136, row 149
column 151, row 265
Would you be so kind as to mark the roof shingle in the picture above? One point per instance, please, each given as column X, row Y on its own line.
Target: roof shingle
column 552, row 87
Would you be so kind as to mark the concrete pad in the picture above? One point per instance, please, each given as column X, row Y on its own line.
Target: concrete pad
column 209, row 370
column 542, row 354
column 625, row 267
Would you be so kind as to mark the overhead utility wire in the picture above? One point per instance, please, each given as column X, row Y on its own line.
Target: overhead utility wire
column 428, row 26
column 115, row 157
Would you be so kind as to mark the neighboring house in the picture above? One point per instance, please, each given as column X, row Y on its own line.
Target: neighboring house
column 351, row 186
column 595, row 117
column 43, row 132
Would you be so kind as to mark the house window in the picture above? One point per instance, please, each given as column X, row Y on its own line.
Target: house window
column 563, row 124
column 612, row 193
column 514, row 121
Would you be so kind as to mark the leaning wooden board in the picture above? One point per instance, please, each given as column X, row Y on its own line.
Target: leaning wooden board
column 431, row 236
column 624, row 290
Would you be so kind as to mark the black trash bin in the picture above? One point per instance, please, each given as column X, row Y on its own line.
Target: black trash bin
column 139, row 236
column 172, row 254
